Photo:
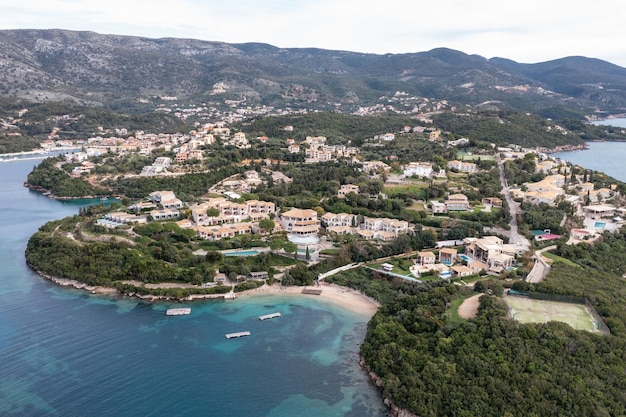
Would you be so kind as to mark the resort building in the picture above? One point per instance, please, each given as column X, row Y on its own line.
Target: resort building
column 166, row 199
column 120, row 217
column 164, row 214
column 230, row 211
column 383, row 224
column 302, row 225
column 223, row 231
column 491, row 251
column 338, row 220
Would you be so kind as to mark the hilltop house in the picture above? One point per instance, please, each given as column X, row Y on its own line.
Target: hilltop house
column 468, row 167
column 491, row 251
column 419, row 169
column 347, row 189
column 457, row 202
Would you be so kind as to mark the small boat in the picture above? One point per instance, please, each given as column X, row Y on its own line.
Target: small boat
column 104, row 198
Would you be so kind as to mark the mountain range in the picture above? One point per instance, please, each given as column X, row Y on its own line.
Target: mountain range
column 110, row 70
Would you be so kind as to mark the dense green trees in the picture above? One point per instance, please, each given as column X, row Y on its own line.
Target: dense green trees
column 495, row 366
column 337, row 127
column 504, row 128
column 47, row 176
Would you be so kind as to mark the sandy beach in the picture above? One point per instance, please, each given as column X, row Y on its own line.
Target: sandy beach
column 345, row 297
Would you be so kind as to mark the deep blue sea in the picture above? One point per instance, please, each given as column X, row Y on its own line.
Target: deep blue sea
column 607, row 157
column 65, row 352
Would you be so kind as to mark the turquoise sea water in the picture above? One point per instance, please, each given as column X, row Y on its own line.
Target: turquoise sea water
column 64, row 352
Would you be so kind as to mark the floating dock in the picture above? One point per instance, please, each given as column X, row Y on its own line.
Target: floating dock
column 238, row 334
column 269, row 316
column 177, row 311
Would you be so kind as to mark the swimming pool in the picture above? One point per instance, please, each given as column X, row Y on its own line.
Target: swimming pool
column 599, row 225
column 464, row 257
column 242, row 253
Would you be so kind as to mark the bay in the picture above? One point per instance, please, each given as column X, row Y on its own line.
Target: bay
column 65, row 352
column 607, row 157
column 618, row 122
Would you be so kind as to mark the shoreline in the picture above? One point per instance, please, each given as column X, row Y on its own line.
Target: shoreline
column 347, row 298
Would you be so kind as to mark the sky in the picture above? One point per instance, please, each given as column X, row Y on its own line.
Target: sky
column 527, row 31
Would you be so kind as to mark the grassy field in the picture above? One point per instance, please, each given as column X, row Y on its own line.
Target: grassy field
column 416, row 188
column 463, row 156
column 527, row 310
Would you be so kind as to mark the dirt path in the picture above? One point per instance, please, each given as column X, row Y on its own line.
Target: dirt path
column 469, row 308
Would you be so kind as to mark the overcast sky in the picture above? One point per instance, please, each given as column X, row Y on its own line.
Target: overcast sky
column 525, row 31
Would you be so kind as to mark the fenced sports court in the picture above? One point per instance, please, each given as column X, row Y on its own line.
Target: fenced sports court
column 578, row 316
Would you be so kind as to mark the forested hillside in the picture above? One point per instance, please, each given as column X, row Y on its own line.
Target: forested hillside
column 433, row 363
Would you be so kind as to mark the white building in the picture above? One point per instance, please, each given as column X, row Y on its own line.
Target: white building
column 419, row 169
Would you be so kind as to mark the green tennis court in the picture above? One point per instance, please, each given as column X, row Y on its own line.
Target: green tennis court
column 528, row 310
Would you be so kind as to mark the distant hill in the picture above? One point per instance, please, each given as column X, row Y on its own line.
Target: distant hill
column 110, row 70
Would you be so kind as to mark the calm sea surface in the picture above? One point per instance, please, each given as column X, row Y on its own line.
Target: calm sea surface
column 64, row 352
column 607, row 157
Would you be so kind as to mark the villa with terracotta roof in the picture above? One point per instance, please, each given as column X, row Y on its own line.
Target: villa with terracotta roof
column 491, row 251
column 461, row 271
column 425, row 258
column 338, row 219
column 300, row 222
column 383, row 224
column 230, row 211
column 447, row 256
column 457, row 202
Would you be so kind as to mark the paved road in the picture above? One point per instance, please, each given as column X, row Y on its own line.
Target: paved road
column 514, row 209
column 541, row 268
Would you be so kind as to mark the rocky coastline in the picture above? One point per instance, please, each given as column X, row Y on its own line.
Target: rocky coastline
column 394, row 410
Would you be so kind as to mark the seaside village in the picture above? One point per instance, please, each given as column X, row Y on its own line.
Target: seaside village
column 228, row 216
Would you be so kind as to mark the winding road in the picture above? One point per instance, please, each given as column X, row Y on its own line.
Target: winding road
column 514, row 209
